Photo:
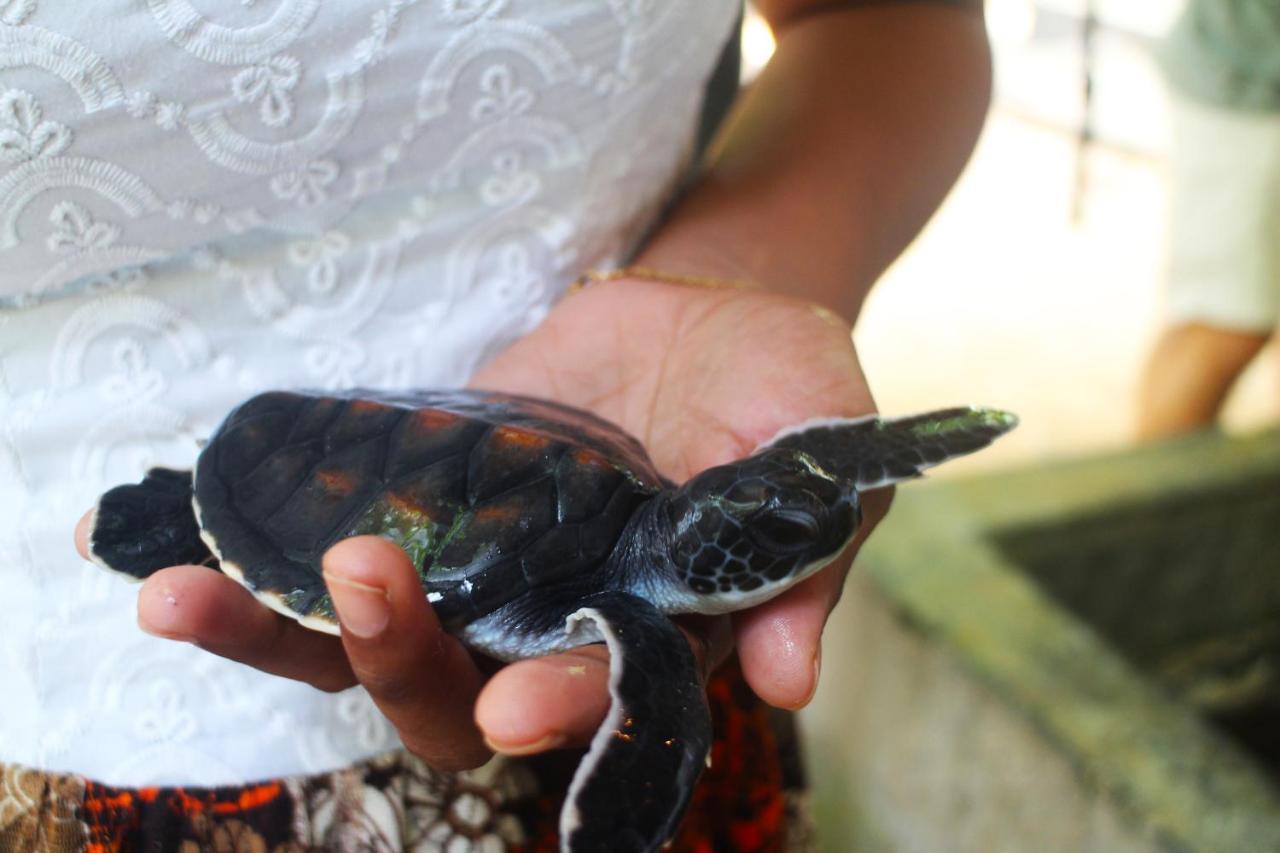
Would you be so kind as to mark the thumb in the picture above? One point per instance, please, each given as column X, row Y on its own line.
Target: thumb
column 780, row 641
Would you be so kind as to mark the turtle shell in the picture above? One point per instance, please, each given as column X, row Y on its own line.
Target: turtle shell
column 489, row 494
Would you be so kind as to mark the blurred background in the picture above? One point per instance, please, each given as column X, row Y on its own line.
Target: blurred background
column 1063, row 688
column 1038, row 286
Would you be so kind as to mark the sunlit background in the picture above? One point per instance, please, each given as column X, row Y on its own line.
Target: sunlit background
column 1010, row 298
column 1038, row 288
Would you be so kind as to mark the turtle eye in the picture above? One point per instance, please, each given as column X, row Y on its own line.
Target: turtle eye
column 784, row 530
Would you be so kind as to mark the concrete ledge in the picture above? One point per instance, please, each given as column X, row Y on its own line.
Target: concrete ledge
column 976, row 710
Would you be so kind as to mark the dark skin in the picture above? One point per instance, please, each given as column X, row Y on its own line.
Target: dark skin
column 824, row 172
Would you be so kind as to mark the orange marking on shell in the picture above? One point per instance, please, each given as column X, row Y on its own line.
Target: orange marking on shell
column 407, row 504
column 359, row 405
column 587, row 456
column 338, row 483
column 502, row 513
column 434, row 419
column 520, row 437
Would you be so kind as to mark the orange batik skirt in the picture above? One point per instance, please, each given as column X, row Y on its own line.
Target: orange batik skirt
column 749, row 799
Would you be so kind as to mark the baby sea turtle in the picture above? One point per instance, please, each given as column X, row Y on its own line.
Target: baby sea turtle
column 535, row 527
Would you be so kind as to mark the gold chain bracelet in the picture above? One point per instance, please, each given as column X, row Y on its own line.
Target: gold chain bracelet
column 643, row 273
column 710, row 282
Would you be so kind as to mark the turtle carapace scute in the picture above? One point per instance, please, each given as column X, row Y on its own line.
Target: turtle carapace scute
column 535, row 527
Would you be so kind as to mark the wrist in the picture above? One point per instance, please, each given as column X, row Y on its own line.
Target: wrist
column 760, row 266
column 674, row 283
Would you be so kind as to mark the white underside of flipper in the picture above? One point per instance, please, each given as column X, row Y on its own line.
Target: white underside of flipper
column 570, row 819
column 811, row 423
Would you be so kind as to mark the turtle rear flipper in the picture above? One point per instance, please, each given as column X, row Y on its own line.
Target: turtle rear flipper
column 633, row 785
column 139, row 529
column 874, row 452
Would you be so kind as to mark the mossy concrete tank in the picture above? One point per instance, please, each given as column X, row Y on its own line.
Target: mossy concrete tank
column 1077, row 657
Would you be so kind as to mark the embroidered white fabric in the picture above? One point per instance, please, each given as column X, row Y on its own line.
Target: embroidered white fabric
column 199, row 201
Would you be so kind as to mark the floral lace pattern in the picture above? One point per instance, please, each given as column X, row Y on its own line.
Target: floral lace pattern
column 200, row 201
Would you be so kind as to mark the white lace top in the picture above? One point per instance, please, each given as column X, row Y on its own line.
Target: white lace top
column 199, row 200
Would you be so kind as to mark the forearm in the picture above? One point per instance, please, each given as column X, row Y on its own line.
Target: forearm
column 839, row 153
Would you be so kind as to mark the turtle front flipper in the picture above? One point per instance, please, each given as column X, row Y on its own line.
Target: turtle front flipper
column 139, row 529
column 633, row 785
column 874, row 452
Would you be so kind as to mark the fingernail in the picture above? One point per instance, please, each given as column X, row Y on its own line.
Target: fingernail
column 363, row 610
column 550, row 741
column 817, row 672
column 164, row 627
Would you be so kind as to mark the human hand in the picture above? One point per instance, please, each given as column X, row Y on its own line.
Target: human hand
column 701, row 377
column 670, row 364
column 422, row 679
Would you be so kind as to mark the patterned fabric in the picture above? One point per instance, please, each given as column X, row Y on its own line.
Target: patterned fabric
column 748, row 801
column 141, row 131
column 40, row 812
column 203, row 200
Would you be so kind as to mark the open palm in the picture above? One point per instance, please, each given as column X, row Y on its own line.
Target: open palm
column 701, row 377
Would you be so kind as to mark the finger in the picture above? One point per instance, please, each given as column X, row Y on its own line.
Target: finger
column 780, row 642
column 560, row 700
column 545, row 703
column 210, row 610
column 82, row 534
column 421, row 678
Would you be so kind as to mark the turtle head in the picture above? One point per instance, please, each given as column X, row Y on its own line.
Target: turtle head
column 743, row 532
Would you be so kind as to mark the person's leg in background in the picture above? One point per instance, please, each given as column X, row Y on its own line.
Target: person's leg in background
column 1189, row 374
